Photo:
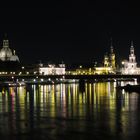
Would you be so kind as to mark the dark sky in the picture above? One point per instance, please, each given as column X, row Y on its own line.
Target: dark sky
column 72, row 32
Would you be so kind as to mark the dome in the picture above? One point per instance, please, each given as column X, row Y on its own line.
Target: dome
column 5, row 53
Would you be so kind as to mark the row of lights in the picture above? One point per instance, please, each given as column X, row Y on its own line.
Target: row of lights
column 2, row 73
column 49, row 79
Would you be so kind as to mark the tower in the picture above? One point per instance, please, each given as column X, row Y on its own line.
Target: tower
column 132, row 57
column 130, row 67
column 112, row 57
column 106, row 60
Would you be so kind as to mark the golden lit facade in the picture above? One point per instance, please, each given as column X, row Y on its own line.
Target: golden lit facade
column 92, row 71
column 109, row 64
column 84, row 71
column 109, row 61
column 106, row 61
column 112, row 58
column 103, row 70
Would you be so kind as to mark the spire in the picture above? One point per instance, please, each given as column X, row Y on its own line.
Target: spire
column 112, row 56
column 132, row 49
column 131, row 43
column 111, row 46
column 132, row 57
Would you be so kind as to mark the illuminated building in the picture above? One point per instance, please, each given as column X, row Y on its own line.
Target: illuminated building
column 109, row 64
column 90, row 71
column 106, row 60
column 103, row 70
column 130, row 67
column 108, row 67
column 9, row 61
column 112, row 57
column 52, row 69
column 6, row 53
column 109, row 60
column 84, row 70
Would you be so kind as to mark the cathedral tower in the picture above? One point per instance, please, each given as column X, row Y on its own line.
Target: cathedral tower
column 106, row 60
column 112, row 57
column 132, row 57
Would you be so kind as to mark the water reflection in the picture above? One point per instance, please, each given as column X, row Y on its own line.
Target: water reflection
column 62, row 110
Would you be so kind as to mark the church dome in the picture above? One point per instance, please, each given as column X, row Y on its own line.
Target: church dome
column 6, row 53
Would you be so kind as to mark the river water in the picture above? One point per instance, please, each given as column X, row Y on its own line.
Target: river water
column 62, row 111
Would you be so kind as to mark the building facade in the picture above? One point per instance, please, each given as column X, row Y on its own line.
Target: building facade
column 112, row 58
column 130, row 66
column 52, row 69
column 109, row 63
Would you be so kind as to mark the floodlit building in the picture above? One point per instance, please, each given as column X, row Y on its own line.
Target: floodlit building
column 84, row 70
column 130, row 66
column 9, row 61
column 52, row 69
column 109, row 66
column 112, row 58
column 6, row 54
column 104, row 70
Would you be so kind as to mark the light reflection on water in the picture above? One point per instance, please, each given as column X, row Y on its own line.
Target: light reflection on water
column 61, row 110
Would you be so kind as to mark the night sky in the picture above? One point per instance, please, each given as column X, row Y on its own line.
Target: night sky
column 71, row 32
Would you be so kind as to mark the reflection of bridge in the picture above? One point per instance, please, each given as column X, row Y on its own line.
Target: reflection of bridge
column 80, row 77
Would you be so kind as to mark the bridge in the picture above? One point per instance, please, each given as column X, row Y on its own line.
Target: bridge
column 78, row 77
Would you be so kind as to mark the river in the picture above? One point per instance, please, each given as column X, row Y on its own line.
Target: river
column 62, row 111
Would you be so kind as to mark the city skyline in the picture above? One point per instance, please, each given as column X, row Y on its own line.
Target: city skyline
column 106, row 52
column 69, row 70
column 67, row 32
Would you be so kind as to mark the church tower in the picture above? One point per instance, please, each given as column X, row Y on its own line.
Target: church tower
column 132, row 57
column 106, row 60
column 112, row 57
column 130, row 67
